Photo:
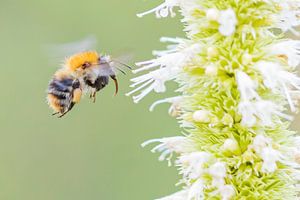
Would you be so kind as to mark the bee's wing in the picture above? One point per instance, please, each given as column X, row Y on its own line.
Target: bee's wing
column 58, row 52
column 113, row 66
column 122, row 63
column 124, row 57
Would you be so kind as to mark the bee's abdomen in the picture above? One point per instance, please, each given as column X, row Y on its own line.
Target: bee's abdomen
column 60, row 94
column 64, row 85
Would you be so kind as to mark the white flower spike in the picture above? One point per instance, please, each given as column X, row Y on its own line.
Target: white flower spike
column 236, row 78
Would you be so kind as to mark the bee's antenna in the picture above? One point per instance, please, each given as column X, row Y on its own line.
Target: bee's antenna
column 129, row 67
column 121, row 70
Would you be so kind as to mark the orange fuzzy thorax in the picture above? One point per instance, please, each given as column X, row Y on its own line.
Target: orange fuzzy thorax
column 62, row 74
column 76, row 61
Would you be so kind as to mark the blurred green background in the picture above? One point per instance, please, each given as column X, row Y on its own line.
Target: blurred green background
column 94, row 152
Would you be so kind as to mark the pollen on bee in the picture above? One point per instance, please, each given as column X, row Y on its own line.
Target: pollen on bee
column 76, row 61
column 77, row 95
column 53, row 102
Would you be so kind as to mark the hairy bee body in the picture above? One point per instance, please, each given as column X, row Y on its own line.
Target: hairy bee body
column 63, row 92
column 82, row 73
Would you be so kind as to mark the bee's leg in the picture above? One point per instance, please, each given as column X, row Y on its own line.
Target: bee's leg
column 63, row 114
column 68, row 110
column 77, row 93
column 93, row 95
column 75, row 97
column 98, row 85
column 55, row 113
column 92, row 85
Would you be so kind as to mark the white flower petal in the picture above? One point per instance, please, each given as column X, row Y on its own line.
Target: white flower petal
column 192, row 164
column 263, row 147
column 270, row 157
column 175, row 101
column 165, row 67
column 227, row 21
column 218, row 170
column 288, row 18
column 252, row 108
column 163, row 10
column 196, row 191
column 181, row 195
column 288, row 48
column 227, row 192
column 170, row 145
column 279, row 80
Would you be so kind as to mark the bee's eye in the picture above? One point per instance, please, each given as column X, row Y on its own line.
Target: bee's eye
column 86, row 65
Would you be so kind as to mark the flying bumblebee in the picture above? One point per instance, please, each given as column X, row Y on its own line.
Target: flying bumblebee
column 86, row 72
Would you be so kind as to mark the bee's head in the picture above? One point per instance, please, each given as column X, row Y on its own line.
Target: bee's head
column 104, row 60
column 82, row 61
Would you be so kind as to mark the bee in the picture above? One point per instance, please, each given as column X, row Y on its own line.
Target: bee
column 81, row 73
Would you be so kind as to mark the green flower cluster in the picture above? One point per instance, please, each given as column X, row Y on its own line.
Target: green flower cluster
column 236, row 79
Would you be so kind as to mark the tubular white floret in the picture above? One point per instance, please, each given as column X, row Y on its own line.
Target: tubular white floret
column 279, row 80
column 169, row 67
column 170, row 145
column 176, row 44
column 263, row 147
column 191, row 165
column 270, row 156
column 252, row 107
column 227, row 192
column 181, row 195
column 288, row 18
column 218, row 173
column 228, row 22
column 260, row 112
column 247, row 87
column 154, row 80
column 196, row 191
column 288, row 48
column 163, row 10
column 174, row 101
column 193, row 192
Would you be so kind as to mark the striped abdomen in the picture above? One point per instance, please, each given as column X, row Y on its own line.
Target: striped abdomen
column 61, row 94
